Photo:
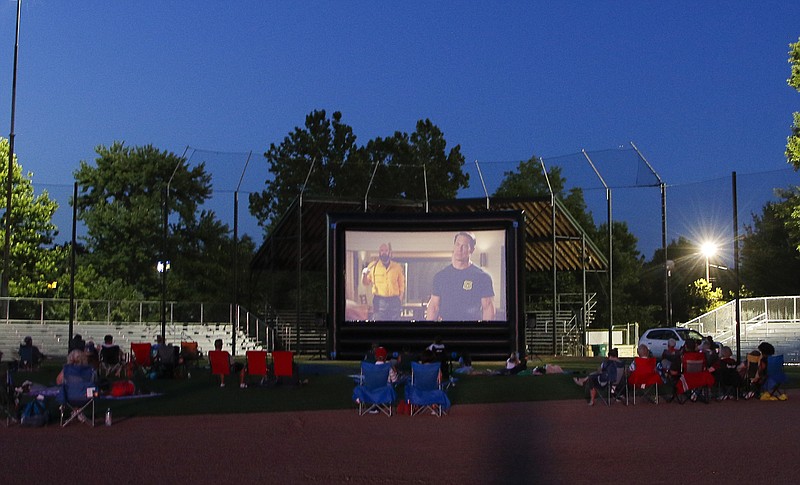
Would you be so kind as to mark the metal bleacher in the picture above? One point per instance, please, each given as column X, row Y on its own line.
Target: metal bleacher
column 45, row 320
column 52, row 338
column 772, row 319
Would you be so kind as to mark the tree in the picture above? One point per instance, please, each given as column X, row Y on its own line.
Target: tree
column 793, row 142
column 770, row 261
column 323, row 158
column 121, row 199
column 33, row 265
column 528, row 180
column 703, row 297
column 627, row 270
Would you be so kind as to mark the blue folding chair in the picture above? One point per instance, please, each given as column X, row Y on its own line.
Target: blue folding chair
column 77, row 394
column 375, row 392
column 775, row 377
column 425, row 391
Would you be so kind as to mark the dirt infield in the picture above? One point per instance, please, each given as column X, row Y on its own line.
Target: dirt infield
column 537, row 442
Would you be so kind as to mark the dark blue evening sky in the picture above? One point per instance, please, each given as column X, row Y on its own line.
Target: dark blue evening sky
column 700, row 87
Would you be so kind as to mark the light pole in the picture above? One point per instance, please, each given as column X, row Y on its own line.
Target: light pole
column 670, row 265
column 163, row 265
column 708, row 249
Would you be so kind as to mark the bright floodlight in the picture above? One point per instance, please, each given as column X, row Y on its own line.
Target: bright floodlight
column 708, row 249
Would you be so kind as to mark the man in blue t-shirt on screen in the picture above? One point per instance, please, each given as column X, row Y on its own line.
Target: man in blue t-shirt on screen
column 462, row 291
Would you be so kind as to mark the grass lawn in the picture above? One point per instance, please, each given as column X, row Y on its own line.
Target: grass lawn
column 329, row 387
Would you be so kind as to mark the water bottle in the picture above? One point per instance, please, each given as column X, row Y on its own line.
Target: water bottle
column 108, row 417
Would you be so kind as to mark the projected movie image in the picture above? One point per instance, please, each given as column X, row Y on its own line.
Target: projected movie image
column 425, row 276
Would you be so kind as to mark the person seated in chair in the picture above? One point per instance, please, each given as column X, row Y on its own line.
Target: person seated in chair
column 165, row 357
column 429, row 357
column 74, row 358
column 76, row 343
column 642, row 352
column 726, row 373
column 29, row 355
column 92, row 356
column 75, row 368
column 380, row 359
column 606, row 374
column 111, row 357
column 671, row 366
column 235, row 367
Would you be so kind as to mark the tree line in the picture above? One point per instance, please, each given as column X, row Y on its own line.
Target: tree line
column 125, row 193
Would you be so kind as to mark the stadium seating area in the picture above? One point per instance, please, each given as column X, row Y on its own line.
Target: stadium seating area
column 52, row 339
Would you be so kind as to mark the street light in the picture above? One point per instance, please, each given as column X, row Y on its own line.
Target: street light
column 709, row 250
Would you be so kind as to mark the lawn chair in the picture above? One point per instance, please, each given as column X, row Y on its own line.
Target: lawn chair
column 76, row 394
column 165, row 361
column 284, row 369
column 28, row 360
column 752, row 381
column 645, row 379
column 425, row 391
column 257, row 365
column 141, row 359
column 9, row 399
column 111, row 361
column 617, row 387
column 189, row 356
column 220, row 361
column 375, row 393
column 695, row 380
column 775, row 378
column 729, row 381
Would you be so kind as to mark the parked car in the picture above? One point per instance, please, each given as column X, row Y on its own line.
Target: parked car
column 656, row 338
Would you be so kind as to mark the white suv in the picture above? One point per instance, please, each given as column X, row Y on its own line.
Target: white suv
column 656, row 338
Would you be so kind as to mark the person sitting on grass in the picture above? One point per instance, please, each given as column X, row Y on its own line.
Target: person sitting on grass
column 605, row 375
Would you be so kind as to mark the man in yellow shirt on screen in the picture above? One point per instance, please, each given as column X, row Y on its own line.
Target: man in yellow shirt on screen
column 388, row 282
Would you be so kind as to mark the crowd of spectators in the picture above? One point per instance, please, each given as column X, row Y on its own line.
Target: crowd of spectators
column 701, row 371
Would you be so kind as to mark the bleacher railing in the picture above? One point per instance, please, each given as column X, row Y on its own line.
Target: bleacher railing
column 57, row 311
column 775, row 319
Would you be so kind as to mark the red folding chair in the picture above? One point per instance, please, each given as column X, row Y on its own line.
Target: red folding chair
column 220, row 361
column 695, row 378
column 645, row 378
column 284, row 368
column 257, row 364
column 141, row 358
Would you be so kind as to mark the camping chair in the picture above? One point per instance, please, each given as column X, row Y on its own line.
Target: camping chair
column 220, row 361
column 77, row 394
column 695, row 378
column 752, row 382
column 257, row 364
column 425, row 390
column 375, row 392
column 645, row 379
column 775, row 377
column 26, row 358
column 728, row 382
column 9, row 399
column 283, row 367
column 111, row 361
column 165, row 362
column 190, row 355
column 141, row 358
column 617, row 387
